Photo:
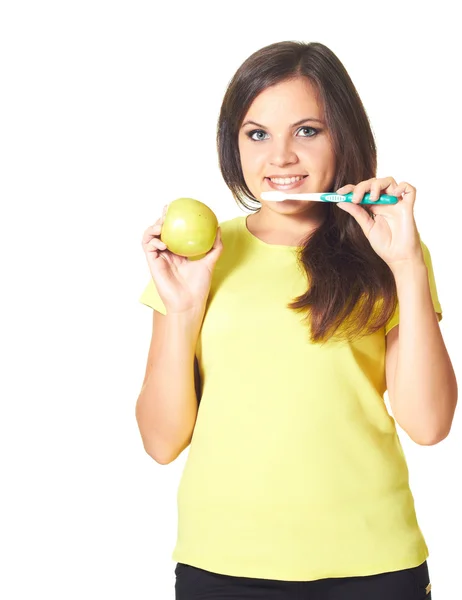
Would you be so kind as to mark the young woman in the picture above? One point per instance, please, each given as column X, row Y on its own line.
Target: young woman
column 271, row 354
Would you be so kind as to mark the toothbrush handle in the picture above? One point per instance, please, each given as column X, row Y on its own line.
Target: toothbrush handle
column 384, row 199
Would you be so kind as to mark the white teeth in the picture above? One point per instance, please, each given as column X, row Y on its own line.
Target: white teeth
column 286, row 180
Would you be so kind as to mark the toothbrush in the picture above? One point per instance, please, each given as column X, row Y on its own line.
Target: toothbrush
column 278, row 196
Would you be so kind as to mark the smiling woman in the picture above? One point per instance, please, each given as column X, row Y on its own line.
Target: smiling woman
column 296, row 483
column 330, row 149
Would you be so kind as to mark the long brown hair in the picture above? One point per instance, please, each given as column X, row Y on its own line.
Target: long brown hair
column 350, row 287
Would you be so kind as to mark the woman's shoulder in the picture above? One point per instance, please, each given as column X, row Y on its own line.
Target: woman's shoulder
column 231, row 230
column 230, row 225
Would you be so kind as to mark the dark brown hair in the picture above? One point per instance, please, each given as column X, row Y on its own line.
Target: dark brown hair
column 350, row 287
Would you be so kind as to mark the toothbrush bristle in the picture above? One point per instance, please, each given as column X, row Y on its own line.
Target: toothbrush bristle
column 273, row 195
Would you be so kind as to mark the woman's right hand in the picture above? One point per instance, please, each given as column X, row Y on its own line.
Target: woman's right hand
column 182, row 284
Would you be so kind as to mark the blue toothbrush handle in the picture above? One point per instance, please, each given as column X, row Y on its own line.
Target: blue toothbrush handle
column 384, row 199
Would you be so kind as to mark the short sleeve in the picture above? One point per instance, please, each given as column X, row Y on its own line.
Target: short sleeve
column 394, row 319
column 150, row 297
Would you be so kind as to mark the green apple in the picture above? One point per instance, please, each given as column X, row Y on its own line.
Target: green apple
column 189, row 228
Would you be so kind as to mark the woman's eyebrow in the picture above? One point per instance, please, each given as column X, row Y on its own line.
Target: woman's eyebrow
column 293, row 124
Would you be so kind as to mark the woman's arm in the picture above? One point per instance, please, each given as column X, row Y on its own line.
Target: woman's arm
column 166, row 408
column 422, row 386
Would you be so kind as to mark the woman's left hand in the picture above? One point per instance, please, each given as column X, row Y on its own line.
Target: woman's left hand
column 392, row 231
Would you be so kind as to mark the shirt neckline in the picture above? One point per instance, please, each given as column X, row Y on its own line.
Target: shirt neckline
column 253, row 238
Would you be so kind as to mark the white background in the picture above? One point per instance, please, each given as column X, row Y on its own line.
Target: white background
column 108, row 111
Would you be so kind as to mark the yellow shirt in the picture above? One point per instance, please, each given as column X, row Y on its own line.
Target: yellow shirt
column 295, row 470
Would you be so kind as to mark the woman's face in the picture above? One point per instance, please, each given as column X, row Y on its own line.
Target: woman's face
column 291, row 139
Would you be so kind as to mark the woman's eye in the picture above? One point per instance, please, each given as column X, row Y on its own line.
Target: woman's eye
column 312, row 129
column 259, row 131
column 251, row 133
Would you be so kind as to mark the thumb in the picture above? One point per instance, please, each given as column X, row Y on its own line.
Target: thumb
column 365, row 221
column 213, row 254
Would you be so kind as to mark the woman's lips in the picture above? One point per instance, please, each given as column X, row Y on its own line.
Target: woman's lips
column 289, row 186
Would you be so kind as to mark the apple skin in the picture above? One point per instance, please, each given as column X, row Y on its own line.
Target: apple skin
column 189, row 228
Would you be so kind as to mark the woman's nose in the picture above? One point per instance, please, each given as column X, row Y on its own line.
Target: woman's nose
column 282, row 153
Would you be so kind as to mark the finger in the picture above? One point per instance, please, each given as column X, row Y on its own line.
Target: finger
column 217, row 242
column 366, row 222
column 345, row 189
column 148, row 234
column 153, row 230
column 212, row 256
column 360, row 189
column 379, row 185
column 155, row 244
column 407, row 191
